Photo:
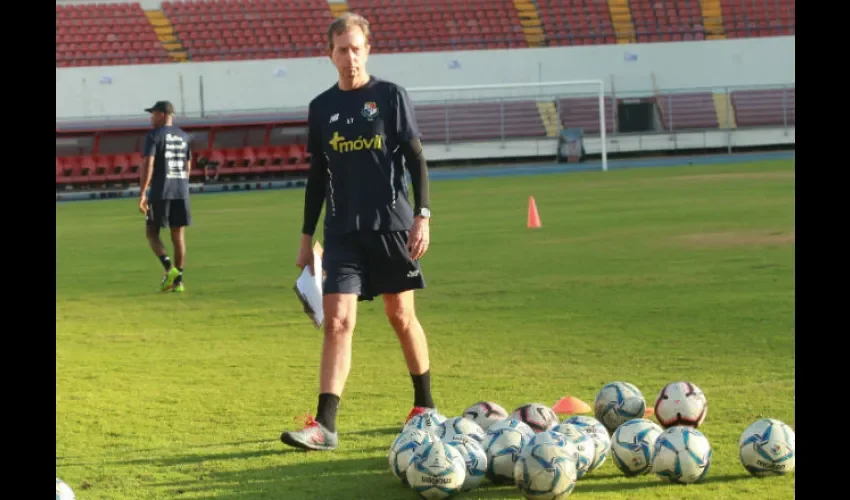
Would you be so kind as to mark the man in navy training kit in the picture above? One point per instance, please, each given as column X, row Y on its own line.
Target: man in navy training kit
column 165, row 172
column 361, row 134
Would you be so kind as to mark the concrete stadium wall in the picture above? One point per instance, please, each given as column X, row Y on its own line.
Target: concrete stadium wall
column 232, row 87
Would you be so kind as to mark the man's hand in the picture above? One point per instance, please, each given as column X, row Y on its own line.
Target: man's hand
column 143, row 203
column 420, row 238
column 305, row 253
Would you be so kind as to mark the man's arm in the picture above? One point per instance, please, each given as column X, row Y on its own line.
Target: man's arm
column 146, row 170
column 314, row 195
column 414, row 158
column 409, row 140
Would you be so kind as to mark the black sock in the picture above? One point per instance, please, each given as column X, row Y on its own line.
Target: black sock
column 179, row 278
column 166, row 262
column 326, row 414
column 422, row 390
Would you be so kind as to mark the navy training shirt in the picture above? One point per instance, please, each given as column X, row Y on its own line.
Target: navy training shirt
column 169, row 145
column 357, row 135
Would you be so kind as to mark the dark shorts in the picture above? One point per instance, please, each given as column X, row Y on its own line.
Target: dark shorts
column 169, row 213
column 369, row 264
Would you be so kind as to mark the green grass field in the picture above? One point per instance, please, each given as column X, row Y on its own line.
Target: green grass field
column 643, row 275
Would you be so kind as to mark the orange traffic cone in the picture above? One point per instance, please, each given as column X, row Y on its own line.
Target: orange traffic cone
column 533, row 216
column 571, row 405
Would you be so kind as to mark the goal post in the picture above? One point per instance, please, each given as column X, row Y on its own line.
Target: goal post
column 548, row 96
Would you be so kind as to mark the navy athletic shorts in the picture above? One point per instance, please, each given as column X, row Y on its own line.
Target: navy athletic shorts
column 169, row 213
column 369, row 263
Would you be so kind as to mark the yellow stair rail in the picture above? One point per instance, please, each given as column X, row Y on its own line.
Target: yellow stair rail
column 621, row 17
column 529, row 18
column 712, row 19
column 723, row 108
column 549, row 116
column 165, row 34
column 338, row 8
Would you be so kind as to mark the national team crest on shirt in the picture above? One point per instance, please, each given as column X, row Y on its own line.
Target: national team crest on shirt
column 370, row 110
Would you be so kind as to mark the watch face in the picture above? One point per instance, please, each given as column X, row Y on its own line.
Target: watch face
column 425, row 212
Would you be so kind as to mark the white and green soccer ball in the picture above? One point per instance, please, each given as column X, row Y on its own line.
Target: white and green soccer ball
column 768, row 448
column 598, row 433
column 545, row 471
column 585, row 447
column 63, row 491
column 475, row 458
column 404, row 448
column 682, row 455
column 633, row 446
column 503, row 443
column 430, row 421
column 617, row 403
column 437, row 471
column 460, row 426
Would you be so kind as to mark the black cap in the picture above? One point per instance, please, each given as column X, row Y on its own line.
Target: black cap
column 162, row 106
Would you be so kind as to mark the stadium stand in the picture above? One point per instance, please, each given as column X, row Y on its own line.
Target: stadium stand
column 687, row 111
column 745, row 19
column 212, row 30
column 437, row 25
column 764, row 108
column 667, row 20
column 576, row 22
column 215, row 30
column 105, row 34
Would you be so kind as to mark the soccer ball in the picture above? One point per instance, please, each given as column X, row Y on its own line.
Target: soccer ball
column 545, row 437
column 539, row 417
column 458, row 426
column 633, row 446
column 767, row 448
column 597, row 432
column 503, row 443
column 545, row 471
column 63, row 491
column 437, row 471
column 585, row 447
column 682, row 455
column 485, row 414
column 475, row 458
column 430, row 422
column 681, row 403
column 617, row 403
column 404, row 448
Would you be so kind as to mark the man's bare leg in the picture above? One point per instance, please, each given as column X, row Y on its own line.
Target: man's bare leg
column 401, row 312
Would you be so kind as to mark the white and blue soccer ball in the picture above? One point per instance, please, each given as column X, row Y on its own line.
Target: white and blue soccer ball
column 503, row 443
column 633, row 446
column 768, row 448
column 430, row 421
column 404, row 448
column 545, row 471
column 597, row 432
column 538, row 416
column 460, row 426
column 485, row 414
column 682, row 455
column 681, row 403
column 475, row 458
column 63, row 491
column 617, row 403
column 585, row 447
column 437, row 471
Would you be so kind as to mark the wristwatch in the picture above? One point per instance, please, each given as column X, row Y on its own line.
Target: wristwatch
column 424, row 212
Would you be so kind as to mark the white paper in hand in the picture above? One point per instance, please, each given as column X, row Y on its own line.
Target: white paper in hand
column 308, row 288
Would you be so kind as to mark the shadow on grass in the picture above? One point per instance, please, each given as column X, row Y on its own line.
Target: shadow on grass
column 359, row 478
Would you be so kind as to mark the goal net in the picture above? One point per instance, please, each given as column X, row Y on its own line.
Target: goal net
column 577, row 114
